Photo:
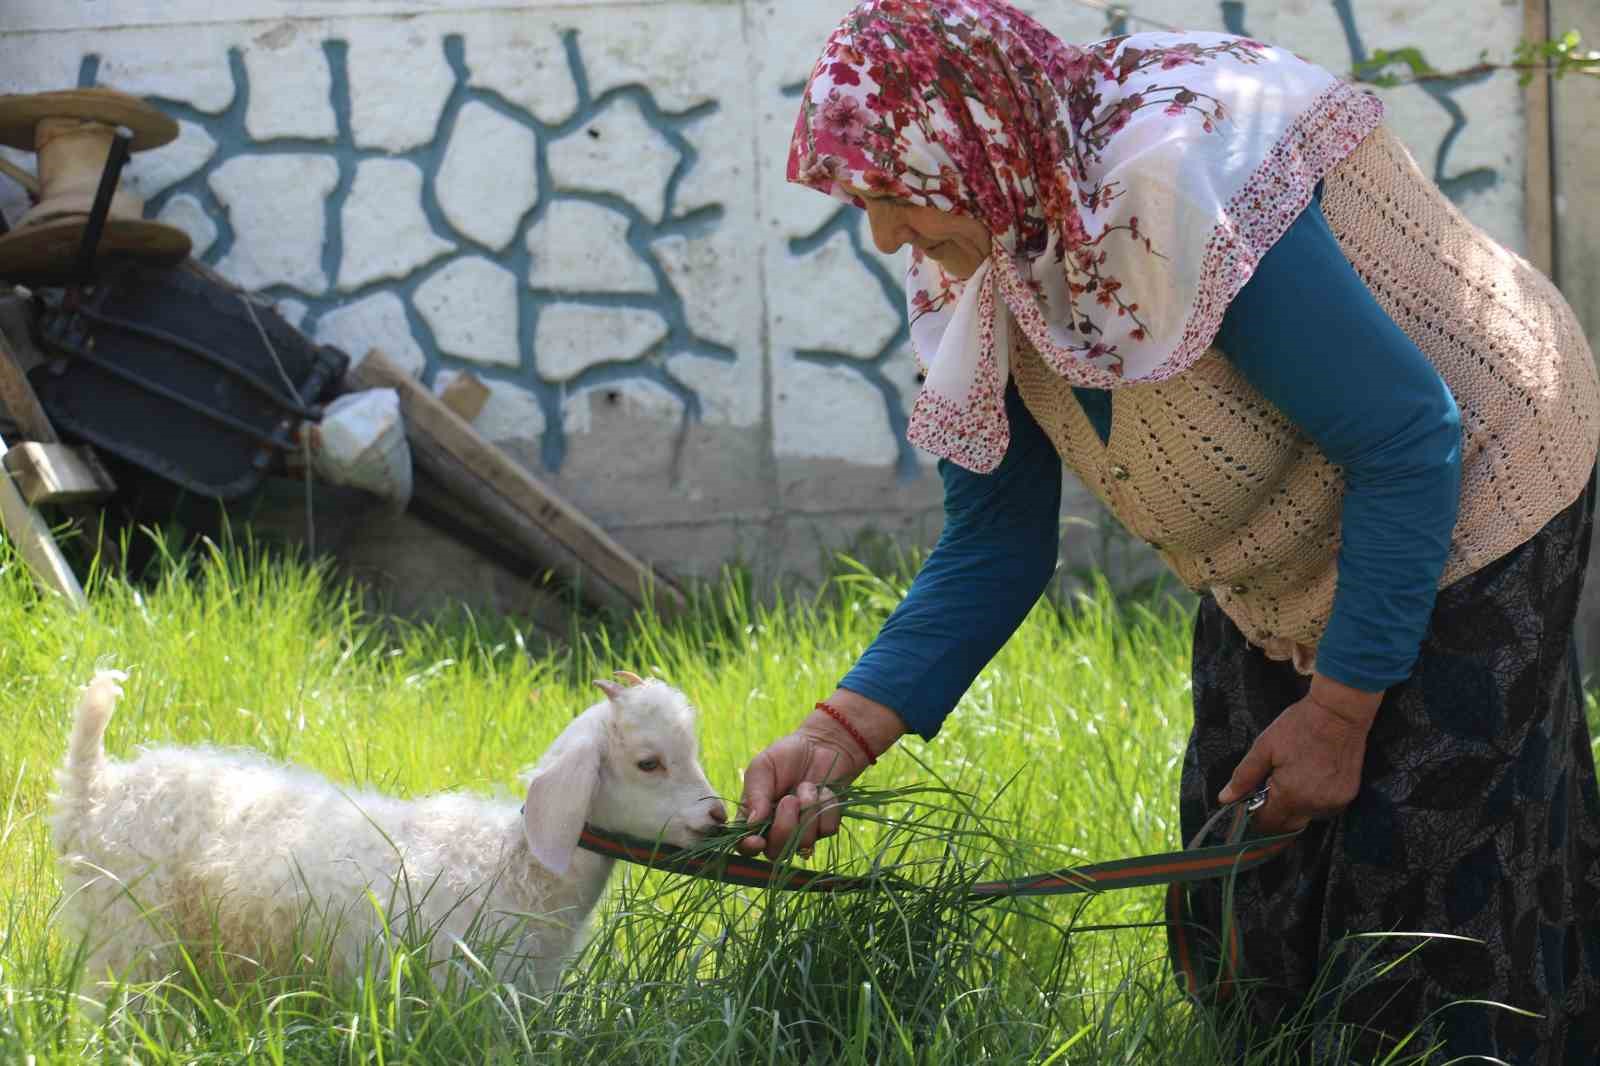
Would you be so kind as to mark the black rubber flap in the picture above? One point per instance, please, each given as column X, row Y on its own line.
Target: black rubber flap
column 166, row 369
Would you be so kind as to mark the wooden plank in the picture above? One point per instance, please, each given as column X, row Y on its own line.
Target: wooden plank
column 465, row 395
column 522, row 508
column 16, row 322
column 23, row 354
column 34, row 542
column 1539, row 215
column 19, row 399
column 58, row 473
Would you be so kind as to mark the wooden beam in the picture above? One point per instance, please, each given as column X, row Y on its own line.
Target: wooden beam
column 34, row 542
column 518, row 506
column 1539, row 215
column 58, row 473
column 17, row 354
column 16, row 322
column 19, row 399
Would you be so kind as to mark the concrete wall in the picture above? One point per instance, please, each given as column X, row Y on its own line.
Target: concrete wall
column 1575, row 106
column 584, row 204
column 1575, row 147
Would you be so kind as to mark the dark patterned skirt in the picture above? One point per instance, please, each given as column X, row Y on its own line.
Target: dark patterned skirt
column 1477, row 816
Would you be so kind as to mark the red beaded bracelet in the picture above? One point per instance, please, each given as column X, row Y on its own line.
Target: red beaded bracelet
column 832, row 712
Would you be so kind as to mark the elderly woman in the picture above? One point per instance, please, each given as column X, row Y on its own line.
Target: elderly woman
column 1200, row 273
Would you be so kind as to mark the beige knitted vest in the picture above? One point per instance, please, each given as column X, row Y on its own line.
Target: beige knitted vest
column 1242, row 505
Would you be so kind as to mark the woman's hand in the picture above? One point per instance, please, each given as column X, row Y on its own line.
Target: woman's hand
column 789, row 780
column 1311, row 755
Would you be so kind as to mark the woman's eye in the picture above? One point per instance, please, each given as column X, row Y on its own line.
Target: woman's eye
column 649, row 766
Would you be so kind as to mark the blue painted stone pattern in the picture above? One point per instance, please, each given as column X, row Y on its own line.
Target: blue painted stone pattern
column 228, row 130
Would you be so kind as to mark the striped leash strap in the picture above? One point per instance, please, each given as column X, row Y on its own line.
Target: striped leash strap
column 1198, row 862
column 1189, row 963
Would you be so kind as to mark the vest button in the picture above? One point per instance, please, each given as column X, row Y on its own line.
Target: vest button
column 1120, row 472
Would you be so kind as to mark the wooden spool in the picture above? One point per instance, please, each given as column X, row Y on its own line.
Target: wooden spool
column 71, row 134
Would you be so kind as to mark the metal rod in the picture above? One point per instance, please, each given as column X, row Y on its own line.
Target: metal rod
column 20, row 176
column 116, row 159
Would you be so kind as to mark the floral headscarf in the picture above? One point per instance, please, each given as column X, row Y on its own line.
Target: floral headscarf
column 1131, row 187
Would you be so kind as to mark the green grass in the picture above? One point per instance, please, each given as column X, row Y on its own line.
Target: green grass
column 1066, row 750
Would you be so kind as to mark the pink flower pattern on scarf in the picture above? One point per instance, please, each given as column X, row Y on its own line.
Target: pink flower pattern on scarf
column 1126, row 205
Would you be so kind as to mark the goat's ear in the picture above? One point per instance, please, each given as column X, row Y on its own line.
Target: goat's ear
column 610, row 688
column 628, row 677
column 559, row 795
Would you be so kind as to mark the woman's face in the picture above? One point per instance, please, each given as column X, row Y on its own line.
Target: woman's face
column 958, row 243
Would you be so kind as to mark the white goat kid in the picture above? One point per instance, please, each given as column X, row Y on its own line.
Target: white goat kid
column 229, row 850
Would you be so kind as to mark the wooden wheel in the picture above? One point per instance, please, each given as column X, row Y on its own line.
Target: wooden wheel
column 21, row 113
column 46, row 253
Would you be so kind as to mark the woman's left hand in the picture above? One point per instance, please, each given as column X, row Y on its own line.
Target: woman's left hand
column 1311, row 755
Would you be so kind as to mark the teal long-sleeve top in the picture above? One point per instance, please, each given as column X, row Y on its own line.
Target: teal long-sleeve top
column 1309, row 336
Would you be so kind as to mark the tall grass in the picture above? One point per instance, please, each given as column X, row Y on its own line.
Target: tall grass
column 1065, row 750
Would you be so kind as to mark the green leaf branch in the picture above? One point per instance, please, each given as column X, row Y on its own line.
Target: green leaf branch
column 1390, row 67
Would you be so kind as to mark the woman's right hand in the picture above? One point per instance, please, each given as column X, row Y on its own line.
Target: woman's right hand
column 789, row 780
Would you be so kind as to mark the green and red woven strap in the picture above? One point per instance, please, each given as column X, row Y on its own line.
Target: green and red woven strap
column 1175, row 869
column 1165, row 868
column 1198, row 979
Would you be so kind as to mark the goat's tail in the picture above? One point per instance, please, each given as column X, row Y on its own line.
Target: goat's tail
column 86, row 754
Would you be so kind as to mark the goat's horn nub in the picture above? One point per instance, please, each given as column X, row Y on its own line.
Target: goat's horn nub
column 628, row 676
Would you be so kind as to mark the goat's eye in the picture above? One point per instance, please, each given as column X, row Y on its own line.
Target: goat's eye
column 649, row 766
